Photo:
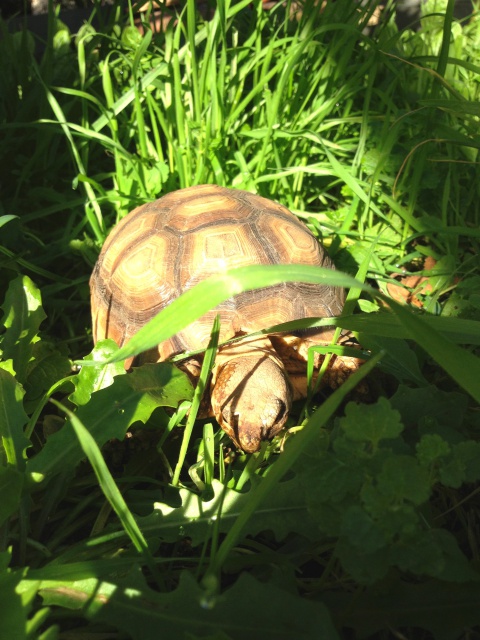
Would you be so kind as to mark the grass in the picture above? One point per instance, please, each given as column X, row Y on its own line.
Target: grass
column 118, row 520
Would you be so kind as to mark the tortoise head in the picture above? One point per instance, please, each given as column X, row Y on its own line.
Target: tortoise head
column 251, row 399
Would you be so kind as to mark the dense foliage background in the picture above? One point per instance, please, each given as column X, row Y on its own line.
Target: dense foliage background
column 121, row 516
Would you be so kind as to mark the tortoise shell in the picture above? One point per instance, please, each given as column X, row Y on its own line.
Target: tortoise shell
column 165, row 247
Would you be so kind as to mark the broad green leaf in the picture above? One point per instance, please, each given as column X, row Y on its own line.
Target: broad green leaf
column 285, row 512
column 431, row 410
column 143, row 614
column 340, row 484
column 367, row 555
column 419, row 554
column 82, row 570
column 463, row 304
column 454, row 566
column 46, row 367
column 11, row 484
column 371, row 423
column 362, row 531
column 394, row 512
column 463, row 465
column 13, row 609
column 110, row 413
column 432, row 449
column 446, row 610
column 402, row 478
column 425, row 552
column 399, row 360
column 12, row 419
column 363, row 568
column 452, row 473
column 22, row 317
column 91, row 379
column 328, row 481
column 468, row 453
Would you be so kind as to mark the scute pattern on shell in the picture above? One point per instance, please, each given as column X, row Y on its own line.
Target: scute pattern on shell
column 167, row 246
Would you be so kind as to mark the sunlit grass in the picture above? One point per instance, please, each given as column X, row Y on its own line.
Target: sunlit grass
column 371, row 137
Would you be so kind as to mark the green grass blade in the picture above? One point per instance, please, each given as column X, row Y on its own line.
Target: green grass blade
column 207, row 365
column 96, row 220
column 110, row 489
column 13, row 418
column 447, row 33
column 7, row 218
column 209, row 293
column 388, row 325
column 461, row 364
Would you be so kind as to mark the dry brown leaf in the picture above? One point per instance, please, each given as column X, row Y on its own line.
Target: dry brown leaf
column 411, row 286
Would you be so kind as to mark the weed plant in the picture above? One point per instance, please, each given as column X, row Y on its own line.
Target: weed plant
column 116, row 519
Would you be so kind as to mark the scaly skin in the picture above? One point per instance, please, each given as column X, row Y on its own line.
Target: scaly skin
column 251, row 398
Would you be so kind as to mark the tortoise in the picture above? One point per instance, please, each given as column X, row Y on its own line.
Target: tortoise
column 165, row 247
